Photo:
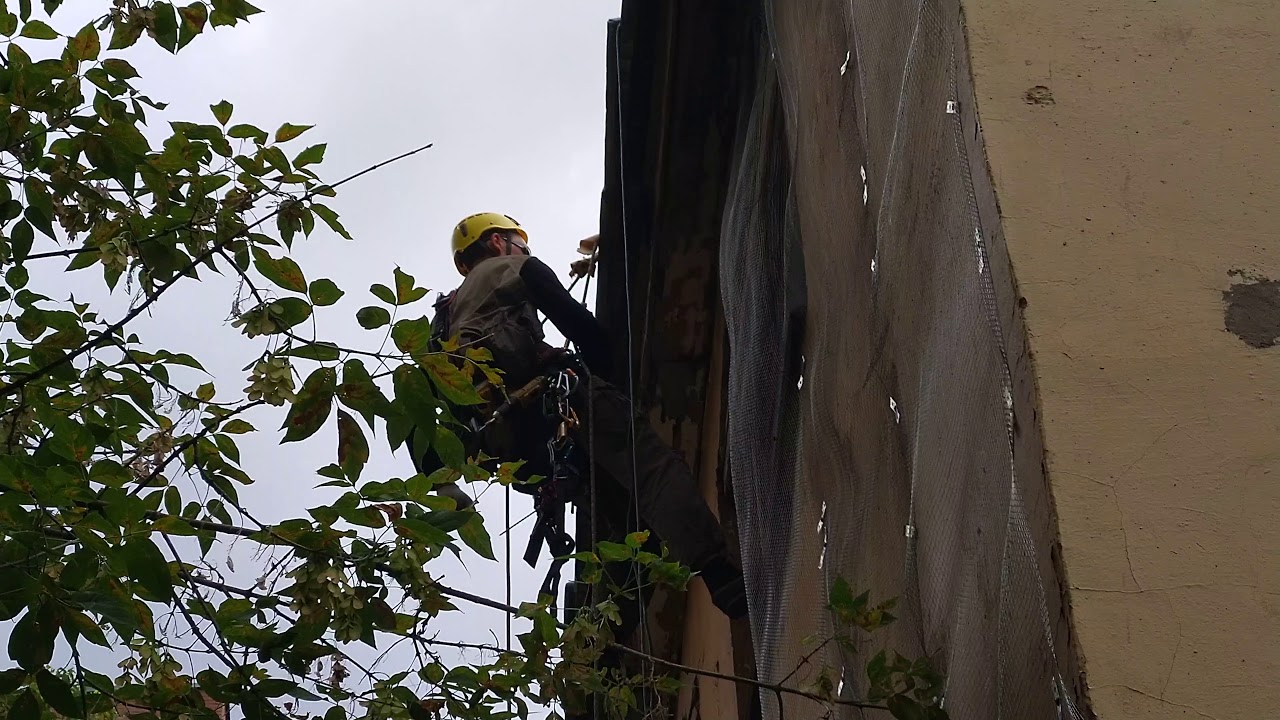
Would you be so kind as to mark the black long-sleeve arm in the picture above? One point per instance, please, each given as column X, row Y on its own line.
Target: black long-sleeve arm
column 577, row 323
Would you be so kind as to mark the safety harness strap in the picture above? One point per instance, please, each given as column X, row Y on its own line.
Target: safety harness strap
column 553, row 493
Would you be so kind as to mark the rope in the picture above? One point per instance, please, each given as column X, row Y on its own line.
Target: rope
column 626, row 277
column 507, row 534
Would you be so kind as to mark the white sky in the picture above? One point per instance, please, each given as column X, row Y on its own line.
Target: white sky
column 512, row 95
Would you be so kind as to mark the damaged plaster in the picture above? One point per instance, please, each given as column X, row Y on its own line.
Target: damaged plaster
column 1253, row 311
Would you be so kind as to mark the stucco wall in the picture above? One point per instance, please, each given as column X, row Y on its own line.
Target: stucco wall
column 1135, row 148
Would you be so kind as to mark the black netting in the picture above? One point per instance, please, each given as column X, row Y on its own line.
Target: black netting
column 900, row 460
column 763, row 427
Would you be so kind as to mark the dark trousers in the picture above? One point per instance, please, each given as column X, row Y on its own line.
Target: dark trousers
column 662, row 484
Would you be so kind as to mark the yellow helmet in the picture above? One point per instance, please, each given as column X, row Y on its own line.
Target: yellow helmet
column 473, row 227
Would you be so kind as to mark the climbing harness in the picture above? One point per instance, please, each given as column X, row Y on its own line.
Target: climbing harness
column 564, row 484
column 553, row 493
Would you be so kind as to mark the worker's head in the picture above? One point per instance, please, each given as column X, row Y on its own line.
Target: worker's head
column 485, row 235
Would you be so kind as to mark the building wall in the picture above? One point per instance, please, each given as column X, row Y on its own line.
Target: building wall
column 668, row 149
column 1134, row 152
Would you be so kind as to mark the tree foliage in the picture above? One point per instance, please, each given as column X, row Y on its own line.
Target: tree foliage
column 120, row 461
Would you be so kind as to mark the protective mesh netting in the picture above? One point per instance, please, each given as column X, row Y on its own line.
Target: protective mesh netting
column 894, row 460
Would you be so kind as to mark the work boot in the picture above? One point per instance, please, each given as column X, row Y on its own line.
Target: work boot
column 728, row 591
column 457, row 494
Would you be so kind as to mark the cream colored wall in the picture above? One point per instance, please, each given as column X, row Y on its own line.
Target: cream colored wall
column 708, row 638
column 1135, row 148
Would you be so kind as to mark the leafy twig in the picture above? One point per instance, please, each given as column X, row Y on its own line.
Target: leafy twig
column 21, row 382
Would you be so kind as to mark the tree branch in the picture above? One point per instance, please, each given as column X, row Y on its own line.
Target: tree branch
column 23, row 380
column 777, row 688
column 805, row 660
column 257, row 295
column 155, row 472
column 382, row 567
column 774, row 687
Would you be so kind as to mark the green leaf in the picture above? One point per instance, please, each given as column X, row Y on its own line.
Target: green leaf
column 85, row 46
column 372, row 317
column 668, row 685
column 222, row 112
column 120, row 69
column 37, row 30
column 413, row 393
column 88, row 258
column 228, row 12
column 227, row 447
column 288, row 132
column 353, row 447
column 57, row 692
column 310, row 156
column 474, row 534
column 124, row 35
column 449, row 520
column 322, row 351
column 170, row 525
column 359, row 392
column 247, row 132
column 11, row 680
column 166, row 26
column 77, row 623
column 113, row 607
column 878, row 669
column 17, row 277
column 324, row 292
column 422, row 531
column 8, row 23
column 275, row 157
column 194, row 17
column 31, row 324
column 26, row 707
column 315, row 400
column 147, row 566
column 636, row 540
column 840, row 598
column 291, row 311
column 406, row 292
column 412, row 336
column 236, row 426
column 904, row 708
column 449, row 448
column 330, row 218
column 613, row 552
column 283, row 271
column 452, row 382
column 383, row 293
column 333, row 471
column 21, row 239
column 31, row 641
column 9, row 209
column 110, row 473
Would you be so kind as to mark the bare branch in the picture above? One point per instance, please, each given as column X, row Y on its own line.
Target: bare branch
column 774, row 687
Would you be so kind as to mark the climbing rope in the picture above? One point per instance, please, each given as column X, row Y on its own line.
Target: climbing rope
column 645, row 639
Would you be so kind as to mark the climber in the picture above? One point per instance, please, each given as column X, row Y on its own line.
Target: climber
column 496, row 307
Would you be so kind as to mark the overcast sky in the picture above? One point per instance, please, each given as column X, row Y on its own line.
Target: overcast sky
column 512, row 95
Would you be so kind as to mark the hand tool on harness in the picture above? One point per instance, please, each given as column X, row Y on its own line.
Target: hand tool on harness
column 556, row 491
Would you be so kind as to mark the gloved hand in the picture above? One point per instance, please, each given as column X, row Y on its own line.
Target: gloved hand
column 587, row 265
column 550, row 355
